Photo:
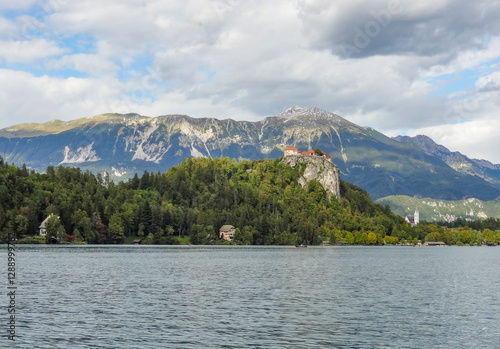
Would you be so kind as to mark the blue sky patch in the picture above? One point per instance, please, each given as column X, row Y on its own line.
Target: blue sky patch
column 451, row 83
column 465, row 80
column 79, row 43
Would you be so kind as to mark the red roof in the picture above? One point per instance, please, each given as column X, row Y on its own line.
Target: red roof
column 310, row 152
column 292, row 149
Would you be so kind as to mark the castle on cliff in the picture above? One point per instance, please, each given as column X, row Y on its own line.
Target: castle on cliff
column 294, row 151
column 319, row 166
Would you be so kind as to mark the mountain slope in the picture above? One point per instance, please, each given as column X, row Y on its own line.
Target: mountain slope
column 461, row 163
column 122, row 145
column 442, row 210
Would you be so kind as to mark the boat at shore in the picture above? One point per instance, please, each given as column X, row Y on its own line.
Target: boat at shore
column 301, row 245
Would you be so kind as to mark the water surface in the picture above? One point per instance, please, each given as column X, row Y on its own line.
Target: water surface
column 256, row 297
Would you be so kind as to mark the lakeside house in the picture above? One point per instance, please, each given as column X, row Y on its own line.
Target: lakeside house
column 434, row 243
column 226, row 232
column 43, row 225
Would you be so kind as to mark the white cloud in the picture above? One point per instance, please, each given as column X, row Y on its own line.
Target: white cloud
column 476, row 139
column 489, row 83
column 7, row 28
column 250, row 59
column 178, row 103
column 38, row 99
column 18, row 4
column 29, row 51
column 92, row 64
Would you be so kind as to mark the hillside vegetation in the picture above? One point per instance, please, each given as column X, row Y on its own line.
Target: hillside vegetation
column 261, row 198
column 443, row 210
column 191, row 201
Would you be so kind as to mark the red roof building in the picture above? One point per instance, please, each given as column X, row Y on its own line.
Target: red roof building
column 295, row 151
column 291, row 151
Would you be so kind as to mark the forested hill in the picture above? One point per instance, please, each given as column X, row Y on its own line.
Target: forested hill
column 261, row 198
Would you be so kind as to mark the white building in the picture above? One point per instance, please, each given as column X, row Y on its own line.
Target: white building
column 413, row 220
column 291, row 151
column 226, row 232
column 42, row 227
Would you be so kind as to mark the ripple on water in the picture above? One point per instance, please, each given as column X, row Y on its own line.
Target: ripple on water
column 257, row 297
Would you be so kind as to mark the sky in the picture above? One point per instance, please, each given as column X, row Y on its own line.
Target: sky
column 402, row 67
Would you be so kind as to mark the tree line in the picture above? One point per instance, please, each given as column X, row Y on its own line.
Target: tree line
column 192, row 201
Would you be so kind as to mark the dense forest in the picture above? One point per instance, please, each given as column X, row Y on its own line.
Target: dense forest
column 191, row 201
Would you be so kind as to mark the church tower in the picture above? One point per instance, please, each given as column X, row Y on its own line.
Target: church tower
column 416, row 216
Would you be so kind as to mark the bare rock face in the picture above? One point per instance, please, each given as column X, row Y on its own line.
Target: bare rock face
column 318, row 168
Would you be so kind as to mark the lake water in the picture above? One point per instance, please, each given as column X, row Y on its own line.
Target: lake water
column 255, row 297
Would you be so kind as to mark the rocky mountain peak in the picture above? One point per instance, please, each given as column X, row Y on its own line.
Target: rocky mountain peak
column 293, row 111
column 313, row 114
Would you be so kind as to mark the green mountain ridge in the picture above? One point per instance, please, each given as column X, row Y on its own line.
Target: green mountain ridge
column 58, row 126
column 459, row 162
column 442, row 210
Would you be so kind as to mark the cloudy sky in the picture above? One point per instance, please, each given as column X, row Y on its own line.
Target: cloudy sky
column 403, row 67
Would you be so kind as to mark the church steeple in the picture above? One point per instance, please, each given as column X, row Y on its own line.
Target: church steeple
column 416, row 216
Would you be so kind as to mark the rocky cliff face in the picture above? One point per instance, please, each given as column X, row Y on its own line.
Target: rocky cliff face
column 318, row 168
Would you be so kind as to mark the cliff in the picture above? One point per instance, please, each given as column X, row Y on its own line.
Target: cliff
column 318, row 168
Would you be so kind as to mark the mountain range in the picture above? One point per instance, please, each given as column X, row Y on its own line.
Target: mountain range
column 124, row 144
column 459, row 162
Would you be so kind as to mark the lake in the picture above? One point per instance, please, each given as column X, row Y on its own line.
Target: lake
column 254, row 297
